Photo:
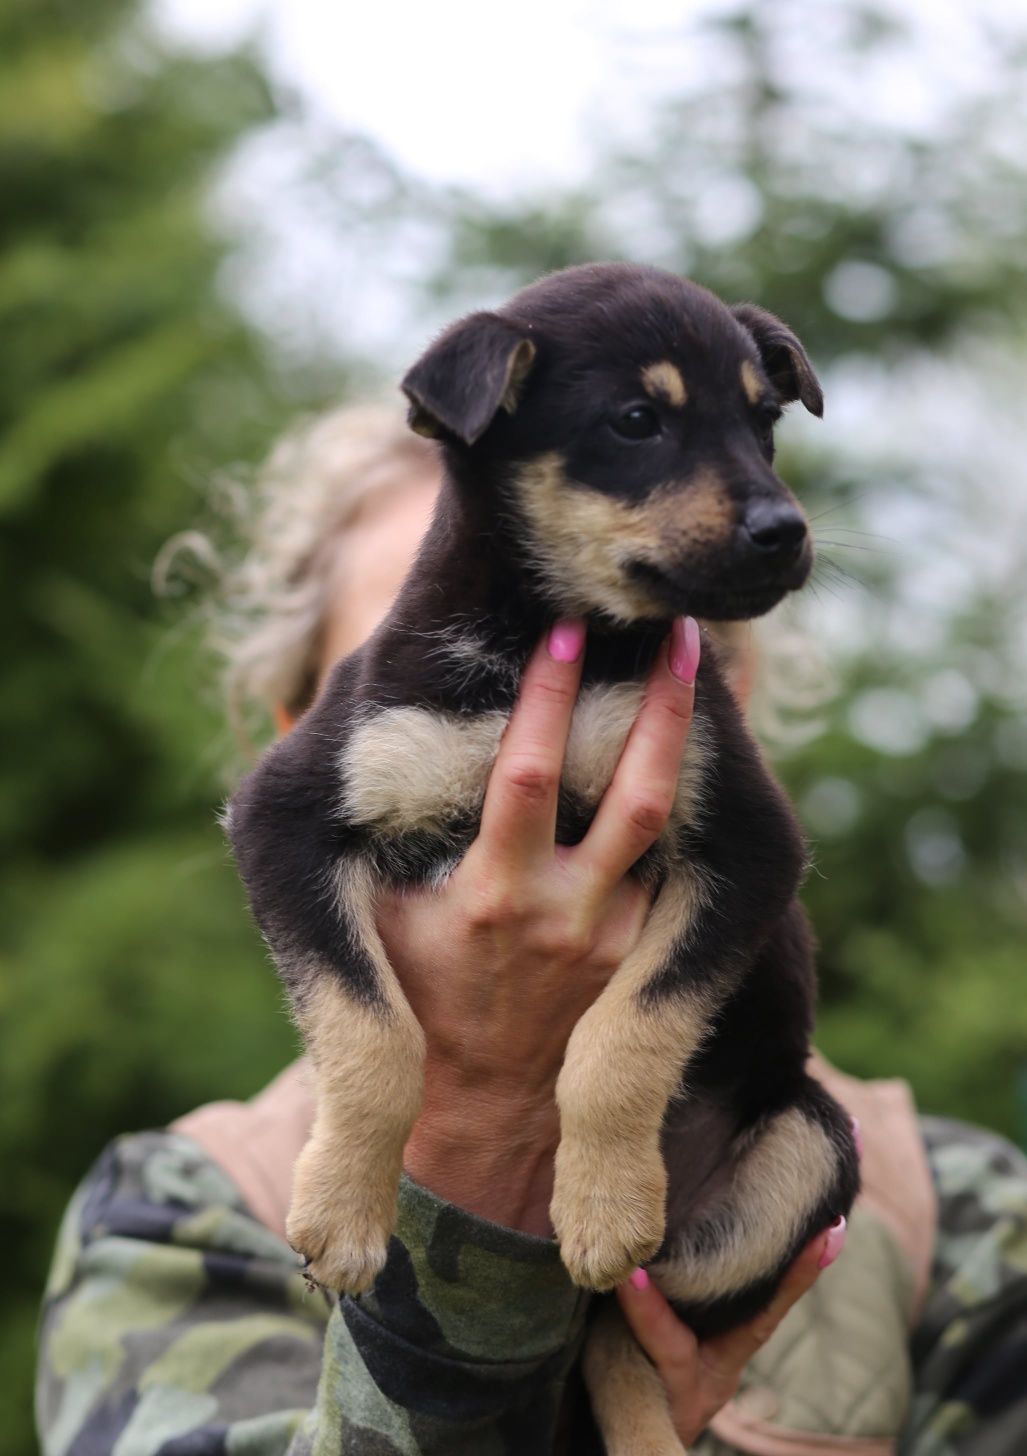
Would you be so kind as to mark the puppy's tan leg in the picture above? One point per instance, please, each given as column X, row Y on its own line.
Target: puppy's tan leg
column 623, row 1064
column 368, row 1063
column 628, row 1399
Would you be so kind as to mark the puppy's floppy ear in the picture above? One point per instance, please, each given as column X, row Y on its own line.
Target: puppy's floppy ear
column 785, row 360
column 477, row 367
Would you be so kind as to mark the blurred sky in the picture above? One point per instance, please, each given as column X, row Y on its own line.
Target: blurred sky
column 500, row 102
column 463, row 91
column 456, row 90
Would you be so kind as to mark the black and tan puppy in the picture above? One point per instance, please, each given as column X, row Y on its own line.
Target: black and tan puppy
column 607, row 441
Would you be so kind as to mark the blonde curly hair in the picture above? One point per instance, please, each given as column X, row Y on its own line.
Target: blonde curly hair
column 270, row 591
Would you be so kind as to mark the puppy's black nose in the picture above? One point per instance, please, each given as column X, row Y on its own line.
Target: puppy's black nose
column 775, row 528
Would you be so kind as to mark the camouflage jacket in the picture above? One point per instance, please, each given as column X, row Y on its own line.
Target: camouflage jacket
column 176, row 1322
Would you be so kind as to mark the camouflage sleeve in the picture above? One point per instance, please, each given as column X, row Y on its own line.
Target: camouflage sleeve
column 175, row 1324
column 970, row 1348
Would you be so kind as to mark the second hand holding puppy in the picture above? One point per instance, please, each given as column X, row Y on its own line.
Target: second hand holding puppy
column 500, row 965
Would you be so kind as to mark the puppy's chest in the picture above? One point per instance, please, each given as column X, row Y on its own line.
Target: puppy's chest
column 420, row 773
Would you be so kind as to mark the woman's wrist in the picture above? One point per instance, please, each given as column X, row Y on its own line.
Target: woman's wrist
column 487, row 1147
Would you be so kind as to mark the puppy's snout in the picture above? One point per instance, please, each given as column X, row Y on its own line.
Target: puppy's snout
column 775, row 528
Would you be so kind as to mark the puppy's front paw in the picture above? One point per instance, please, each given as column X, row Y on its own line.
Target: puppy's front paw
column 347, row 1259
column 337, row 1224
column 608, row 1214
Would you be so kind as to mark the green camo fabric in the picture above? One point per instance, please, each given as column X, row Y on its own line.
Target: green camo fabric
column 175, row 1324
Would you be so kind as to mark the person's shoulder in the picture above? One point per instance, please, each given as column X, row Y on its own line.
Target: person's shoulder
column 160, row 1273
column 963, row 1152
column 256, row 1143
column 157, row 1188
column 968, row 1348
column 981, row 1183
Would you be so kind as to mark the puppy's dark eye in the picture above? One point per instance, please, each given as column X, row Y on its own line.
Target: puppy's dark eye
column 637, row 423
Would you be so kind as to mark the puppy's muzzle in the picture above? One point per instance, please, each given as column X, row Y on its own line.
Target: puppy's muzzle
column 766, row 554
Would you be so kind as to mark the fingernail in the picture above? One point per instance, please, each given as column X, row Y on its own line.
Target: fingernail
column 566, row 639
column 833, row 1244
column 639, row 1280
column 857, row 1136
column 684, row 649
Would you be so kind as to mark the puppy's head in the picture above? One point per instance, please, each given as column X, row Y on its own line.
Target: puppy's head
column 622, row 418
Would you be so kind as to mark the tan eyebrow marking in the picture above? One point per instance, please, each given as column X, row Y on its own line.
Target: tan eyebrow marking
column 750, row 382
column 663, row 380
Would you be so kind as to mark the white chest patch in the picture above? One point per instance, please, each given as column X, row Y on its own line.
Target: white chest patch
column 410, row 769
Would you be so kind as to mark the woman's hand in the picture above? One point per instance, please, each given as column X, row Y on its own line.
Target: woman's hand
column 700, row 1376
column 501, row 963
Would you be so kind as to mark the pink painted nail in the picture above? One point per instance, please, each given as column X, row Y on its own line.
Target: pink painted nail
column 833, row 1244
column 566, row 639
column 685, row 648
column 857, row 1136
column 639, row 1280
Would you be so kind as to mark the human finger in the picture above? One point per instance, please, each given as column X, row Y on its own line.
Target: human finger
column 519, row 812
column 730, row 1352
column 637, row 804
column 670, row 1345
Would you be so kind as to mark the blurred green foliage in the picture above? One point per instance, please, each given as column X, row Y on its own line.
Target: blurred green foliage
column 130, row 983
column 131, row 986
